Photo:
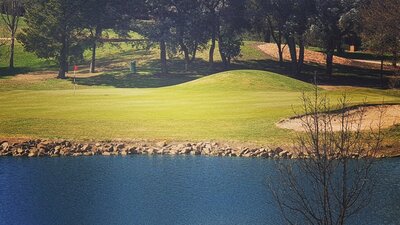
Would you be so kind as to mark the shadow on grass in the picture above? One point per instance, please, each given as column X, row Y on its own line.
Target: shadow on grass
column 343, row 75
column 363, row 56
column 150, row 77
column 5, row 71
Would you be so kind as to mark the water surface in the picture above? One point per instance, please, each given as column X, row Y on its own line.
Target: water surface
column 158, row 190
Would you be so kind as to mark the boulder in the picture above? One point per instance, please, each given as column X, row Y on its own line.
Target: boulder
column 33, row 152
column 151, row 151
column 161, row 144
column 20, row 151
column 5, row 146
column 86, row 148
column 57, row 149
column 283, row 154
column 195, row 152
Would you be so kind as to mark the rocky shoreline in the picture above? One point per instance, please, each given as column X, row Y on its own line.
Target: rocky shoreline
column 64, row 148
column 61, row 148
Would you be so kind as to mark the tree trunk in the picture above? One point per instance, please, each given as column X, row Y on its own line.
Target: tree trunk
column 93, row 61
column 279, row 44
column 267, row 36
column 212, row 48
column 12, row 47
column 97, row 35
column 301, row 56
column 339, row 48
column 395, row 58
column 187, row 58
column 194, row 53
column 63, row 59
column 224, row 59
column 163, row 57
column 329, row 62
column 382, row 62
column 277, row 40
column 293, row 53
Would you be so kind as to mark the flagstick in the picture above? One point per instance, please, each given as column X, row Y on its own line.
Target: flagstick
column 74, row 82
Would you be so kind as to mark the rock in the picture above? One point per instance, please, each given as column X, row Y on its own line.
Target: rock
column 186, row 150
column 57, row 149
column 133, row 150
column 151, row 151
column 65, row 152
column 124, row 153
column 263, row 155
column 283, row 154
column 195, row 152
column 106, row 154
column 86, row 148
column 5, row 145
column 42, row 152
column 41, row 146
column 161, row 144
column 247, row 155
column 33, row 152
column 278, row 150
column 20, row 151
column 88, row 153
column 173, row 152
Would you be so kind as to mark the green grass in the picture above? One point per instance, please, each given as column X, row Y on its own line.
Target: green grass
column 234, row 106
column 24, row 61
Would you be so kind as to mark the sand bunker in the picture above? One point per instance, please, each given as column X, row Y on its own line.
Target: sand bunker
column 391, row 117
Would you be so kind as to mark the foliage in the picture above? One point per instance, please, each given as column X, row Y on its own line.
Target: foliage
column 53, row 31
column 381, row 31
column 13, row 10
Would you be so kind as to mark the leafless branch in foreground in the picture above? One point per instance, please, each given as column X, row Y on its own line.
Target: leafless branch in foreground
column 333, row 179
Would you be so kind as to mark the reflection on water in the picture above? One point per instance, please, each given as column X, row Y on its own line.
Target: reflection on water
column 158, row 190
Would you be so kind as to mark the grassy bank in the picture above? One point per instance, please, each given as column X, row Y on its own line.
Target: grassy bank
column 232, row 106
column 242, row 105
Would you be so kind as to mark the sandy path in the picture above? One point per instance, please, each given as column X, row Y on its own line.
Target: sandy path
column 391, row 117
column 319, row 58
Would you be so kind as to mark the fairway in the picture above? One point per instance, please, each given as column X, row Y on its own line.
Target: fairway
column 233, row 106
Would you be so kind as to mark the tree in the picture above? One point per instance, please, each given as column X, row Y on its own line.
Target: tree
column 190, row 31
column 288, row 19
column 327, row 186
column 13, row 10
column 226, row 23
column 295, row 28
column 381, row 31
column 230, row 28
column 2, row 42
column 158, row 29
column 98, row 15
column 328, row 26
column 53, row 30
column 211, row 9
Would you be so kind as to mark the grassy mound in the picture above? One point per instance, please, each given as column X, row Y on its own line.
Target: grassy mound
column 247, row 80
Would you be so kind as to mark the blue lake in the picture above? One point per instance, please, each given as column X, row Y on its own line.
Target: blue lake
column 159, row 190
